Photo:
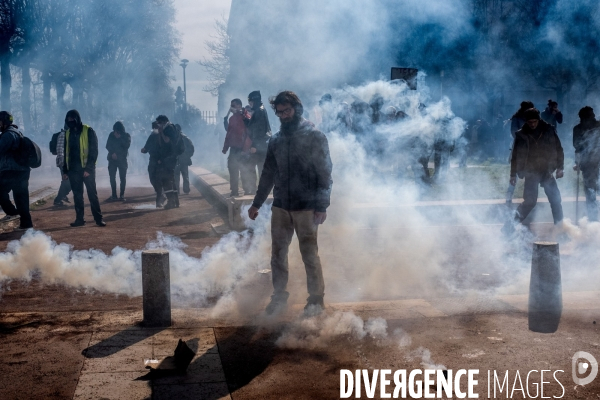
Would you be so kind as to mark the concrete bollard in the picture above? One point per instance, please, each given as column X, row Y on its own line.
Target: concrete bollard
column 156, row 286
column 545, row 288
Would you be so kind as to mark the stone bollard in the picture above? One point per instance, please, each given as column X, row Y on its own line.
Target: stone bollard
column 156, row 285
column 545, row 289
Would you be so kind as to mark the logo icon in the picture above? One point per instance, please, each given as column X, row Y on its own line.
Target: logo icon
column 584, row 363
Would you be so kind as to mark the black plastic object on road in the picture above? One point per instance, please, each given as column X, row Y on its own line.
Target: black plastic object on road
column 545, row 288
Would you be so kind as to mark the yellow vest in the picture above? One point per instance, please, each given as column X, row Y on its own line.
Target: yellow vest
column 84, row 146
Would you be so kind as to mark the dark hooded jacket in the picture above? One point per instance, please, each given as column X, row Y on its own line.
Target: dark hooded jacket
column 9, row 143
column 517, row 121
column 168, row 152
column 74, row 159
column 546, row 140
column 298, row 169
column 259, row 129
column 118, row 146
column 586, row 140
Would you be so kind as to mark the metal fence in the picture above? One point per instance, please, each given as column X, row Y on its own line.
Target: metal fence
column 210, row 117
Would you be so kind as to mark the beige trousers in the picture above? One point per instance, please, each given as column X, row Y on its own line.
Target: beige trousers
column 283, row 225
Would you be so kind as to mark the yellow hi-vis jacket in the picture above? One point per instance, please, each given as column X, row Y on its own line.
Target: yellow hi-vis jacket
column 84, row 146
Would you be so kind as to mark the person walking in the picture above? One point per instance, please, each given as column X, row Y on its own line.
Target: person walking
column 537, row 155
column 57, row 148
column 118, row 147
column 14, row 177
column 298, row 169
column 586, row 140
column 183, row 163
column 81, row 153
column 259, row 131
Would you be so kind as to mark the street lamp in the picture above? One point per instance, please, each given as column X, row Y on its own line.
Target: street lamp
column 184, row 64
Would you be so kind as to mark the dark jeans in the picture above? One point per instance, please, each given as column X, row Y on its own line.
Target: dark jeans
column 121, row 165
column 77, row 181
column 590, row 187
column 166, row 179
column 237, row 166
column 530, row 195
column 181, row 170
column 18, row 183
column 63, row 190
column 256, row 160
column 153, row 174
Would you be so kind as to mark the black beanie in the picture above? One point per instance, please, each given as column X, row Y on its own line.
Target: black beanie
column 532, row 113
column 254, row 96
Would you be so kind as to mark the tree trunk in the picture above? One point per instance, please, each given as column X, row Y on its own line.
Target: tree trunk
column 60, row 98
column 47, row 85
column 5, row 81
column 26, row 98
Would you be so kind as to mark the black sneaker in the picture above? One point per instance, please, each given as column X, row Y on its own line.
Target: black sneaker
column 23, row 228
column 314, row 306
column 101, row 223
column 276, row 306
column 111, row 199
column 66, row 200
column 169, row 206
column 59, row 204
column 121, row 198
column 77, row 223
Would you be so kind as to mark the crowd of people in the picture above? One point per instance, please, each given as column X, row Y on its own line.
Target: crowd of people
column 76, row 150
column 295, row 165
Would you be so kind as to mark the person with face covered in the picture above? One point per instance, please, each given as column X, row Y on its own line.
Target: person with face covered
column 516, row 122
column 259, row 131
column 151, row 147
column 170, row 147
column 118, row 147
column 537, row 154
column 81, row 153
column 298, row 169
column 13, row 176
column 586, row 140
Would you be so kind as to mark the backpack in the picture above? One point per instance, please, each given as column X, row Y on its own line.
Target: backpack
column 28, row 153
column 54, row 143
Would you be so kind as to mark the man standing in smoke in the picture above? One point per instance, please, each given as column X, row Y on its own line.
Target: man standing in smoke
column 152, row 148
column 586, row 140
column 537, row 154
column 238, row 143
column 259, row 130
column 81, row 153
column 13, row 176
column 118, row 147
column 170, row 147
column 552, row 114
column 298, row 169
column 516, row 122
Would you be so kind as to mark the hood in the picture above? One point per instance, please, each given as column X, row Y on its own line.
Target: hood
column 119, row 127
column 526, row 130
column 75, row 115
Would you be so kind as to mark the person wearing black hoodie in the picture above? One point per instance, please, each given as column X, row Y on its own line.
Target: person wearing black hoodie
column 536, row 155
column 13, row 176
column 516, row 122
column 259, row 131
column 152, row 148
column 170, row 147
column 298, row 169
column 586, row 140
column 118, row 147
column 81, row 153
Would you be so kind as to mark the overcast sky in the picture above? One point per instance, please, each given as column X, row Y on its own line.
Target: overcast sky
column 195, row 22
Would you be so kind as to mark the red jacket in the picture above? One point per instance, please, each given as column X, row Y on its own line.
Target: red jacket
column 237, row 135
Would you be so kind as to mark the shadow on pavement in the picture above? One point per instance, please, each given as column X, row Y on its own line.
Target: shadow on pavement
column 118, row 342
